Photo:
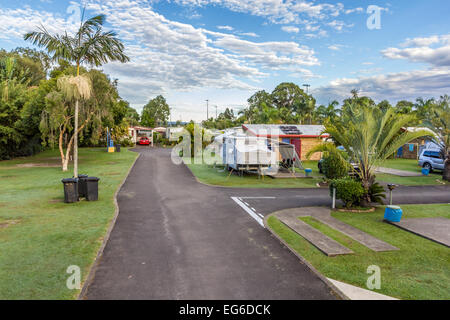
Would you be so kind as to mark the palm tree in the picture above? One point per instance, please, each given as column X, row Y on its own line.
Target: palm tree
column 439, row 122
column 89, row 45
column 369, row 136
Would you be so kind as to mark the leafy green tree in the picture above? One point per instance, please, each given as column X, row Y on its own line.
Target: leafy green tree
column 156, row 112
column 384, row 105
column 404, row 107
column 88, row 45
column 291, row 97
column 330, row 111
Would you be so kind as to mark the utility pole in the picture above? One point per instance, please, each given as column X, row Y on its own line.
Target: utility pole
column 307, row 87
column 216, row 112
column 207, row 109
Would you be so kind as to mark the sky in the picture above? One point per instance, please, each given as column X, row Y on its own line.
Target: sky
column 223, row 51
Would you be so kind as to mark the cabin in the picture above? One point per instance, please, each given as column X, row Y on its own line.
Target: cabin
column 303, row 137
column 414, row 148
column 136, row 132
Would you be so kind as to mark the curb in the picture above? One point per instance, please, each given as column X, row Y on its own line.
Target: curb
column 340, row 294
column 93, row 268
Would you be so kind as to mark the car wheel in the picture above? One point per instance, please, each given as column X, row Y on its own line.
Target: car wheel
column 428, row 166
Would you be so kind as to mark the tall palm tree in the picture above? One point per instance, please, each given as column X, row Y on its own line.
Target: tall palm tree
column 439, row 122
column 89, row 45
column 369, row 136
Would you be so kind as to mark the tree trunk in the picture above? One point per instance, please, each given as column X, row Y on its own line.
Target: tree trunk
column 75, row 143
column 446, row 173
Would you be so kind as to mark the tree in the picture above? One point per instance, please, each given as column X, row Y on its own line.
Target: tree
column 327, row 112
column 369, row 136
column 88, row 45
column 384, row 105
column 56, row 119
column 404, row 107
column 290, row 96
column 439, row 122
column 155, row 112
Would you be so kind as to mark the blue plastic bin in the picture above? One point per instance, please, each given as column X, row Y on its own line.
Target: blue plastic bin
column 393, row 214
column 425, row 172
column 308, row 172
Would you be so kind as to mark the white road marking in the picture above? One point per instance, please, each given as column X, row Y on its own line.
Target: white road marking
column 257, row 197
column 252, row 213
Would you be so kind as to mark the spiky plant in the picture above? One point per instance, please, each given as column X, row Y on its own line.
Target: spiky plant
column 369, row 136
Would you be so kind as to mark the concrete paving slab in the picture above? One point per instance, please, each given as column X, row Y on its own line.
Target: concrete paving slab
column 324, row 215
column 435, row 229
column 318, row 239
column 357, row 293
column 396, row 172
column 354, row 233
column 287, row 175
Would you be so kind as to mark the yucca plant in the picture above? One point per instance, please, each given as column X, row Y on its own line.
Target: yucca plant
column 369, row 136
column 89, row 45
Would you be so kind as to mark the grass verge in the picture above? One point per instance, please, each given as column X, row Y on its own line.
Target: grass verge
column 430, row 180
column 402, row 164
column 419, row 270
column 49, row 235
column 214, row 176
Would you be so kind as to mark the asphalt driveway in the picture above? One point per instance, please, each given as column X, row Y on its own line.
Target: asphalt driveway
column 178, row 239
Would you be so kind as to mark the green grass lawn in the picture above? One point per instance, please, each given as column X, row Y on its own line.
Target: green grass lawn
column 402, row 164
column 432, row 179
column 435, row 178
column 214, row 176
column 48, row 235
column 419, row 270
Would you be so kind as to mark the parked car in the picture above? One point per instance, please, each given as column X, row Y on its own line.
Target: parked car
column 144, row 141
column 431, row 159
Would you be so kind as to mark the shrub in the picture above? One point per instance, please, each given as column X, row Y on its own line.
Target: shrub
column 126, row 142
column 334, row 167
column 377, row 193
column 348, row 190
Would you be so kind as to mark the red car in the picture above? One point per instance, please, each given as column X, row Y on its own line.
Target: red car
column 144, row 141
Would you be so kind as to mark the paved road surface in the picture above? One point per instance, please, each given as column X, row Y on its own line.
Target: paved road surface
column 178, row 239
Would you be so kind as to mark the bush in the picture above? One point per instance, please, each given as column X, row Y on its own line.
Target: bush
column 334, row 167
column 377, row 193
column 350, row 191
column 126, row 143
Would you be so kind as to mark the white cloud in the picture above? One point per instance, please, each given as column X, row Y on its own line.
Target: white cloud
column 249, row 34
column 290, row 29
column 169, row 56
column 228, row 28
column 394, row 86
column 276, row 11
column 16, row 22
column 357, row 10
column 421, row 50
column 335, row 47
